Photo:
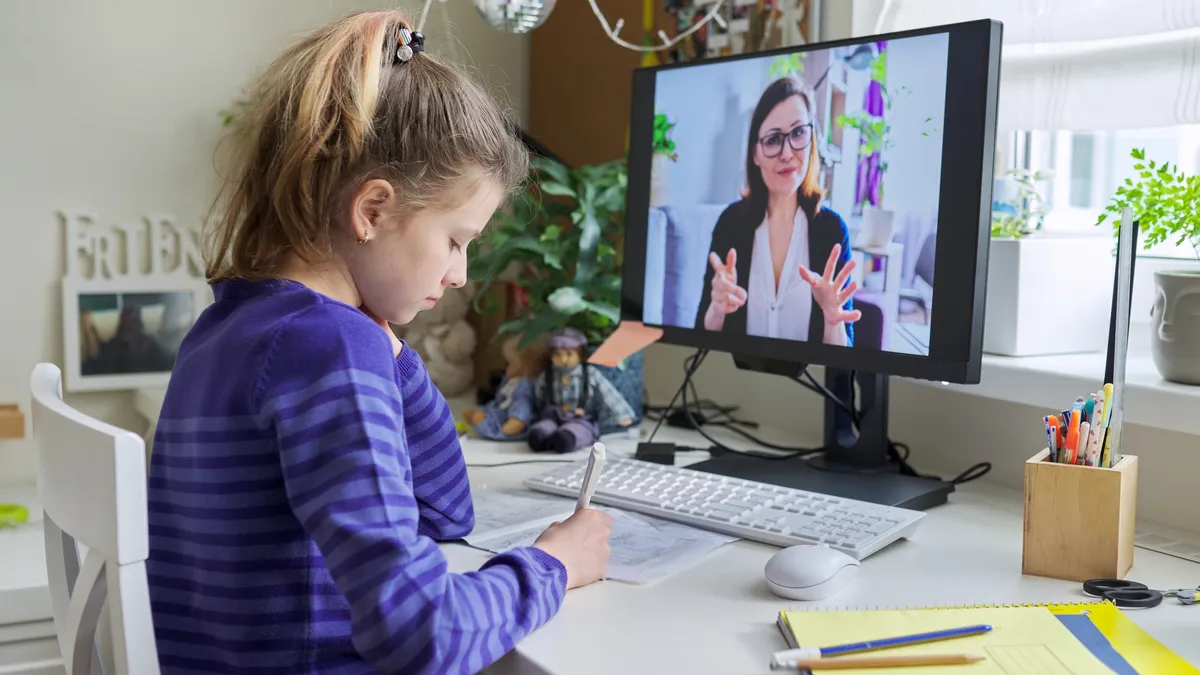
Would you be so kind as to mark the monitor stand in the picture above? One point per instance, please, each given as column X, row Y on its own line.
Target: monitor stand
column 854, row 466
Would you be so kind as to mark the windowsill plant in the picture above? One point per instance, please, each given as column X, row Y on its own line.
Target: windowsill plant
column 1163, row 201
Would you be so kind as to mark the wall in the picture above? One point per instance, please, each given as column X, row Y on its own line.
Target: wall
column 112, row 108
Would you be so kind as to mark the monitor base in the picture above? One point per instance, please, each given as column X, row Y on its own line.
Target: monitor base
column 879, row 486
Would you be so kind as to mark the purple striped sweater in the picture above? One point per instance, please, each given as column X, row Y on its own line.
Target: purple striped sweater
column 299, row 481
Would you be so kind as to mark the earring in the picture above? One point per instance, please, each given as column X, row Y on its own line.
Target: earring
column 364, row 239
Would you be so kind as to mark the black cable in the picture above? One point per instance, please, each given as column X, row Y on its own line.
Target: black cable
column 791, row 452
column 894, row 447
column 698, row 358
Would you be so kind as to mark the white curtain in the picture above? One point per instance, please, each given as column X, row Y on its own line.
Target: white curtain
column 1082, row 64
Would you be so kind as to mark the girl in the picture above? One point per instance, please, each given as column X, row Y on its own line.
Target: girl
column 303, row 464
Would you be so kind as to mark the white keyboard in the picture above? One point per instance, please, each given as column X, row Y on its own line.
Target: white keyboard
column 757, row 511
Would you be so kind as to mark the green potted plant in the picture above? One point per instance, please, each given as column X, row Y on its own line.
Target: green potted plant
column 664, row 151
column 557, row 250
column 1163, row 201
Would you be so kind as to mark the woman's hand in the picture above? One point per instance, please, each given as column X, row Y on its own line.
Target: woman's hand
column 397, row 345
column 725, row 297
column 828, row 290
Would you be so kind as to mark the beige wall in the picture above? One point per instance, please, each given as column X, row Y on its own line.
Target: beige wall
column 111, row 107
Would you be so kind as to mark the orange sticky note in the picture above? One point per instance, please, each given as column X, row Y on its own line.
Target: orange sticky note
column 629, row 338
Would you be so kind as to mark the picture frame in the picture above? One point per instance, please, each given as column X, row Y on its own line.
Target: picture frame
column 129, row 296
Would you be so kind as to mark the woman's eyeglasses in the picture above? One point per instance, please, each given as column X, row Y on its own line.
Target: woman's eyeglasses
column 799, row 138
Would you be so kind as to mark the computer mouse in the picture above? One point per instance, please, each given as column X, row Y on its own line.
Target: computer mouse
column 809, row 572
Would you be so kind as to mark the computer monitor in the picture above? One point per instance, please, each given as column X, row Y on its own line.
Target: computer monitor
column 822, row 205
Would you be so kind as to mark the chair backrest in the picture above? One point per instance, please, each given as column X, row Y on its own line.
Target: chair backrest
column 92, row 484
column 924, row 267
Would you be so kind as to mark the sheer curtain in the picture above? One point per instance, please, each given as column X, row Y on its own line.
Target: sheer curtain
column 1082, row 64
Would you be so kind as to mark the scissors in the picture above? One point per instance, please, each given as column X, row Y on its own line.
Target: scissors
column 1133, row 595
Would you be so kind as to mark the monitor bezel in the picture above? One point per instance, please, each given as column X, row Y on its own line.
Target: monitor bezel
column 968, row 152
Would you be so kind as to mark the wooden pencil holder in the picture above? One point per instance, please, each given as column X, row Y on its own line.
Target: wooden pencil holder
column 1079, row 520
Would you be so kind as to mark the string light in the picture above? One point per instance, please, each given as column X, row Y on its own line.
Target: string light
column 667, row 42
column 613, row 32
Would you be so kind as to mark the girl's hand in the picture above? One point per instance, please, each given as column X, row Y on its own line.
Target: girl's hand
column 397, row 345
column 828, row 290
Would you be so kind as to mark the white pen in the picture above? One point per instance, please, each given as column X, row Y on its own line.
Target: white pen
column 591, row 477
column 1081, row 452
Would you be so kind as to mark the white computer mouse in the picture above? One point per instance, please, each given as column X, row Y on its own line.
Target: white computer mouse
column 809, row 572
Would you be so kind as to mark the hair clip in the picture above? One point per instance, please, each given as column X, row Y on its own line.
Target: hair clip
column 411, row 42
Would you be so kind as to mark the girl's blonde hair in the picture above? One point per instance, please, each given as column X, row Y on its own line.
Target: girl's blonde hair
column 340, row 108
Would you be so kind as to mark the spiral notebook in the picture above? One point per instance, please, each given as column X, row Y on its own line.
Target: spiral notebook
column 1085, row 638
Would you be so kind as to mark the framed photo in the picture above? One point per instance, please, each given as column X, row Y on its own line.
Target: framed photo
column 126, row 336
column 124, row 319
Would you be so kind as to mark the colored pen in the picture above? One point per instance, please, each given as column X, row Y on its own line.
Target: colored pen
column 1073, row 432
column 1049, row 435
column 1082, row 451
column 1105, row 458
column 1052, row 436
column 591, row 478
column 885, row 643
column 897, row 661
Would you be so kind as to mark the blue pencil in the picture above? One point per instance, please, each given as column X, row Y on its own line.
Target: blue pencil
column 779, row 658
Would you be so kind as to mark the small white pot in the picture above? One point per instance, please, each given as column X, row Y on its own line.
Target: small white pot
column 1048, row 294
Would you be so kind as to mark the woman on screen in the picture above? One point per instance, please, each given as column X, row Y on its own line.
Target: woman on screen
column 760, row 278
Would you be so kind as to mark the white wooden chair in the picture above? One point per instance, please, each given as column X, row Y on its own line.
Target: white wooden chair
column 92, row 484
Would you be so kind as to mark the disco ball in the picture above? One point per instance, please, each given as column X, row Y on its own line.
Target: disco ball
column 514, row 16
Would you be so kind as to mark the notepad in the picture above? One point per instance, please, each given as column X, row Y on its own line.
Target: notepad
column 1088, row 638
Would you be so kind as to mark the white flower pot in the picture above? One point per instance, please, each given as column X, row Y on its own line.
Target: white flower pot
column 1175, row 325
column 1048, row 294
column 659, row 174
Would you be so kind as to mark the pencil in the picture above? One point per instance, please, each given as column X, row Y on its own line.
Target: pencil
column 851, row 662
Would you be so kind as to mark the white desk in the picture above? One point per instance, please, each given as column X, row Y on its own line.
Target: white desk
column 965, row 552
column 27, row 642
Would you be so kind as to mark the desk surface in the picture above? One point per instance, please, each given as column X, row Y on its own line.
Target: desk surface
column 965, row 552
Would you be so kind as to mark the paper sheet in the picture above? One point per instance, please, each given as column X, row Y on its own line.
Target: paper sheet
column 1024, row 640
column 499, row 513
column 629, row 338
column 643, row 548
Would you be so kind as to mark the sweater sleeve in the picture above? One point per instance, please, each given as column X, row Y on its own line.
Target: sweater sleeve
column 328, row 388
column 439, row 470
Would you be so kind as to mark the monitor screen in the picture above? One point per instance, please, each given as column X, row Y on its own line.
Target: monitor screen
column 797, row 197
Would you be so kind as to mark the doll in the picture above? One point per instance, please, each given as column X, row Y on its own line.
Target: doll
column 575, row 399
column 507, row 416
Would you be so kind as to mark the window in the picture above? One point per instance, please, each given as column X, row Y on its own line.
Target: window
column 1087, row 167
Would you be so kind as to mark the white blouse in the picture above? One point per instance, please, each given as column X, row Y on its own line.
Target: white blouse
column 784, row 312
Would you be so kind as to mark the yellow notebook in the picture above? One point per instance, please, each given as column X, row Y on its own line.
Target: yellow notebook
column 1092, row 638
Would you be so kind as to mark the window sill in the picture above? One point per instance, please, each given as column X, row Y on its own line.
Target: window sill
column 1052, row 382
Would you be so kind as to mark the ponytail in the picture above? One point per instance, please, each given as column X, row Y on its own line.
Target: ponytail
column 342, row 106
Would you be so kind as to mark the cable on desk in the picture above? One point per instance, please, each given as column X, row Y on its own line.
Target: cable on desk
column 689, row 371
column 894, row 447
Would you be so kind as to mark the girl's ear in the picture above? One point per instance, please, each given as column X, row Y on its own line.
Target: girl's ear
column 368, row 205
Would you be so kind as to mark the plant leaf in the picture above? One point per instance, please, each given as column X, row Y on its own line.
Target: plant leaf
column 557, row 189
column 567, row 300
